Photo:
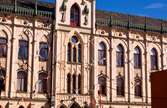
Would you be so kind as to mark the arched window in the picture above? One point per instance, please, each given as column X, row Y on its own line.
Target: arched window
column 79, row 84
column 74, row 54
column 154, row 59
column 102, row 81
column 23, row 50
column 3, row 47
column 79, row 53
column 69, row 53
column 120, row 56
column 74, row 83
column 120, row 85
column 43, row 51
column 137, row 58
column 22, row 81
column 102, row 54
column 74, row 50
column 75, row 15
column 69, row 83
column 138, row 86
column 2, row 79
column 42, row 85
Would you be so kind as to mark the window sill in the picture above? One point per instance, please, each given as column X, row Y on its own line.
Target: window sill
column 21, row 91
column 42, row 93
column 102, row 64
column 137, row 68
column 43, row 60
column 138, row 97
column 120, row 96
column 74, row 63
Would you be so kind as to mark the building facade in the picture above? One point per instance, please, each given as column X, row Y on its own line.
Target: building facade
column 70, row 55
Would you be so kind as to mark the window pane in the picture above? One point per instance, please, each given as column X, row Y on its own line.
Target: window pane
column 42, row 85
column 22, row 81
column 120, row 56
column 3, row 47
column 79, row 84
column 138, row 87
column 120, row 85
column 74, row 84
column 102, row 85
column 79, row 53
column 75, row 15
column 154, row 59
column 23, row 50
column 102, row 54
column 2, row 79
column 43, row 51
column 74, row 55
column 69, row 83
column 69, row 53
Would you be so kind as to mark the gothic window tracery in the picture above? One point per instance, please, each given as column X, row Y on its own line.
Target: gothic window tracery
column 74, row 51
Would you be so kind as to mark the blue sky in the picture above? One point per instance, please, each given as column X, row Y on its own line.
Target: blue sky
column 150, row 8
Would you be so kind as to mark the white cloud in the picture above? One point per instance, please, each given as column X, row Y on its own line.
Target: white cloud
column 155, row 6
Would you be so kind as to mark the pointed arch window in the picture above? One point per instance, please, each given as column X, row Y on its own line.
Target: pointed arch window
column 102, row 81
column 2, row 79
column 69, row 52
column 138, row 86
column 75, row 15
column 154, row 59
column 43, row 51
column 23, row 50
column 74, row 84
column 42, row 85
column 79, row 84
column 102, row 54
column 137, row 57
column 74, row 50
column 120, row 85
column 74, row 54
column 120, row 56
column 3, row 47
column 69, row 83
column 22, row 81
column 79, row 53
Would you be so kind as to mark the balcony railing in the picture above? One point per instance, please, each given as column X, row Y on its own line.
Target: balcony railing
column 119, row 23
column 9, row 9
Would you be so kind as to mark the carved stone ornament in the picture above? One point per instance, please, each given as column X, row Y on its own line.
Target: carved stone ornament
column 83, row 2
column 85, row 12
column 63, row 9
